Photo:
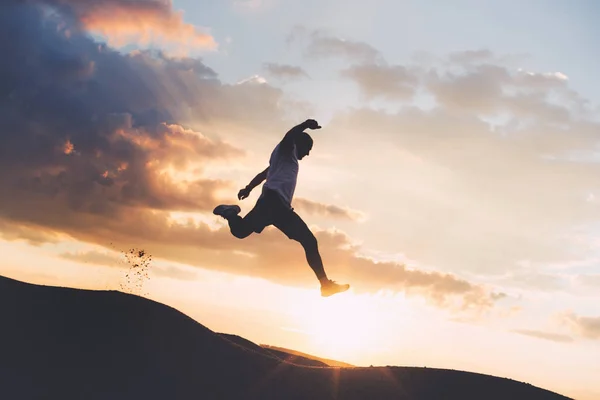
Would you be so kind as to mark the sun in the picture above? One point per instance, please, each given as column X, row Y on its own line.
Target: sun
column 343, row 326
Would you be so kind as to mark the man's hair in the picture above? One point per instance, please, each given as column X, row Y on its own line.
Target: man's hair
column 304, row 139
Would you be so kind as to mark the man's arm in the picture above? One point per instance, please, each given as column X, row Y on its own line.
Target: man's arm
column 287, row 143
column 257, row 180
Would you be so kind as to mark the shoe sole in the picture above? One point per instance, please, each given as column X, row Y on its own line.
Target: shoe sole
column 331, row 294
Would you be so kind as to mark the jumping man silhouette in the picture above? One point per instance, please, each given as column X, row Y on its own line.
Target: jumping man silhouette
column 274, row 204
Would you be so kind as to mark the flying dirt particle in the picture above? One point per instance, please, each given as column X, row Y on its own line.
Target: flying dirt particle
column 137, row 274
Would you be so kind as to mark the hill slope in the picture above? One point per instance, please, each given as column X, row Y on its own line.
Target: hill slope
column 288, row 354
column 67, row 344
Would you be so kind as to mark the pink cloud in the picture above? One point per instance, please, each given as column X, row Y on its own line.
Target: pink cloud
column 142, row 21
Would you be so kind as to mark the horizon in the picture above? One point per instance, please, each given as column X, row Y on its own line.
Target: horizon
column 452, row 184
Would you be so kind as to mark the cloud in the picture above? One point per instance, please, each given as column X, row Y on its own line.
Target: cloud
column 175, row 273
column 493, row 89
column 88, row 129
column 99, row 145
column 589, row 280
column 534, row 280
column 284, row 71
column 113, row 260
column 484, row 172
column 480, row 89
column 31, row 234
column 586, row 327
column 327, row 210
column 126, row 167
column 260, row 256
column 324, row 45
column 94, row 145
column 298, row 32
column 389, row 82
column 471, row 56
column 142, row 21
column 253, row 80
column 490, row 173
column 248, row 4
column 471, row 82
column 555, row 337
column 95, row 257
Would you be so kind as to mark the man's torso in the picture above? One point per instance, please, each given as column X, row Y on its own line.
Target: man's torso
column 283, row 173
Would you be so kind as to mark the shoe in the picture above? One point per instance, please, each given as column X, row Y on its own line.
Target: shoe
column 226, row 211
column 331, row 288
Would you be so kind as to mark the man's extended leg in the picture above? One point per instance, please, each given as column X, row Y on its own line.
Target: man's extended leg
column 296, row 229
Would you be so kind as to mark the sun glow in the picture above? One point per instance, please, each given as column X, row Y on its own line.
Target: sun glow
column 340, row 326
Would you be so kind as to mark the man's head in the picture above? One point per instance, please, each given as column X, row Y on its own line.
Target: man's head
column 304, row 144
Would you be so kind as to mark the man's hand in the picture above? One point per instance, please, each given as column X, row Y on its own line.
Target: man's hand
column 312, row 124
column 243, row 193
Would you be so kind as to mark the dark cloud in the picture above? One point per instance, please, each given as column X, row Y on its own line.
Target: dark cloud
column 85, row 128
column 89, row 135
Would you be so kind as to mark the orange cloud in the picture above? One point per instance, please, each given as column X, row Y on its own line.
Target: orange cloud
column 120, row 261
column 143, row 22
column 258, row 255
column 30, row 234
column 68, row 147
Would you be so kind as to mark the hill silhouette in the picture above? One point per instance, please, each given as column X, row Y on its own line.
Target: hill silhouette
column 294, row 355
column 62, row 343
column 286, row 355
column 247, row 344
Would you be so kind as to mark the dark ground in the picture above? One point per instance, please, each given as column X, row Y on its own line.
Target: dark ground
column 60, row 343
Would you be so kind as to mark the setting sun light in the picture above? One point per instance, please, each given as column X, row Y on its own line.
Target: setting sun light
column 340, row 326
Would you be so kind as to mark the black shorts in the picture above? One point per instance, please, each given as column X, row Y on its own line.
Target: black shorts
column 270, row 209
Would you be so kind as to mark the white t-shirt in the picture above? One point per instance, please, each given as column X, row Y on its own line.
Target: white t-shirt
column 283, row 173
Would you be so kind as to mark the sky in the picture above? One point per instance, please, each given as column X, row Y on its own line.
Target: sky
column 453, row 185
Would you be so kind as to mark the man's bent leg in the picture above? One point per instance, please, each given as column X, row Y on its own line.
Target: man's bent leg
column 239, row 227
